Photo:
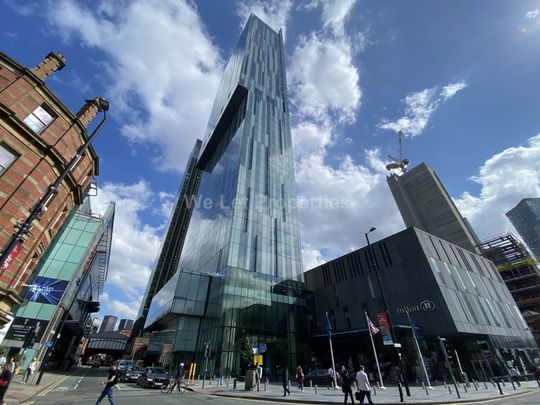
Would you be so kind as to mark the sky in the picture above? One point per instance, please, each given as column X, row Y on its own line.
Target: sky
column 459, row 78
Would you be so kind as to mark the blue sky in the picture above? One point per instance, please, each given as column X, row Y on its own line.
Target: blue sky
column 460, row 78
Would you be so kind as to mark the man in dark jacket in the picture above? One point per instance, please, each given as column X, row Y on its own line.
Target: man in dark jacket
column 285, row 376
column 178, row 379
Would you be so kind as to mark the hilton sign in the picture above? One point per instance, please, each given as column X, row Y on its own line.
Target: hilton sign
column 426, row 306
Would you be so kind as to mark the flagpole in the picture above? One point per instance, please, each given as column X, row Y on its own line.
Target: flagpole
column 382, row 387
column 329, row 330
column 419, row 352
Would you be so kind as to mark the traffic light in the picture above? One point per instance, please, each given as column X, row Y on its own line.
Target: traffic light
column 30, row 337
column 447, row 348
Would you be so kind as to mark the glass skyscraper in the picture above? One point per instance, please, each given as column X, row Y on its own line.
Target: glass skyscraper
column 526, row 219
column 239, row 285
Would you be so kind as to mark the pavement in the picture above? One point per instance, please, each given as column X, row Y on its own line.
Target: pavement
column 439, row 394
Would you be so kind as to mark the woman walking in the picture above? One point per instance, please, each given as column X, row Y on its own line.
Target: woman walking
column 300, row 378
column 346, row 386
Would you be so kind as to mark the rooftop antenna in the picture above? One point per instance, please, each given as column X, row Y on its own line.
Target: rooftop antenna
column 400, row 163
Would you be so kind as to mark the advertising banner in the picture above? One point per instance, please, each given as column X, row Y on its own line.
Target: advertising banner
column 47, row 290
column 385, row 329
column 20, row 327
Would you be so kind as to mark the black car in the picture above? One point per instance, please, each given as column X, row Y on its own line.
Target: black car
column 153, row 377
column 131, row 373
column 319, row 376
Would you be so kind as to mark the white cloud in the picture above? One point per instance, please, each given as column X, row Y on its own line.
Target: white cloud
column 419, row 107
column 324, row 80
column 334, row 14
column 134, row 244
column 161, row 91
column 532, row 14
column 275, row 13
column 119, row 308
column 505, row 179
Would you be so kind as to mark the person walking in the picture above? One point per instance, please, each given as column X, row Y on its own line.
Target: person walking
column 346, row 382
column 362, row 384
column 258, row 376
column 30, row 370
column 5, row 379
column 300, row 378
column 3, row 360
column 112, row 379
column 178, row 379
column 515, row 374
column 285, row 378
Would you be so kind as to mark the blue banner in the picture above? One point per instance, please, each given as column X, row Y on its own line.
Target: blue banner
column 47, row 290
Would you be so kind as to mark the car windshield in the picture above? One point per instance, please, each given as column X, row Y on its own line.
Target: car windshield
column 134, row 368
column 156, row 370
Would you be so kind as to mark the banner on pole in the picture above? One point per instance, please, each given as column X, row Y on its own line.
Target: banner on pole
column 12, row 255
column 328, row 326
column 385, row 329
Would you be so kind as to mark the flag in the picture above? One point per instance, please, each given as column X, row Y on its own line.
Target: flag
column 328, row 326
column 374, row 330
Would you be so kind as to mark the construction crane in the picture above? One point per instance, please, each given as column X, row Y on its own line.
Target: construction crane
column 400, row 163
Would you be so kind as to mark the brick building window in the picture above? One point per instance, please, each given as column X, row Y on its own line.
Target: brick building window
column 39, row 119
column 7, row 157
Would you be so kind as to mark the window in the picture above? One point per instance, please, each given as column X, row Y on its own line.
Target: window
column 39, row 119
column 7, row 157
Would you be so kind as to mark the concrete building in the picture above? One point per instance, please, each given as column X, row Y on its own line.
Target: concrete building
column 39, row 136
column 239, row 280
column 425, row 204
column 108, row 324
column 65, row 289
column 520, row 272
column 447, row 290
column 526, row 219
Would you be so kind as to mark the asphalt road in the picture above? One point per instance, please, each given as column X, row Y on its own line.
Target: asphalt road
column 83, row 388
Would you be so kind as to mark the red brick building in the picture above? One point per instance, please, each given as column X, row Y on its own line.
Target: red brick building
column 39, row 136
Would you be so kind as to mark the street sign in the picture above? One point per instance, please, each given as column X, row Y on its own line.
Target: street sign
column 397, row 345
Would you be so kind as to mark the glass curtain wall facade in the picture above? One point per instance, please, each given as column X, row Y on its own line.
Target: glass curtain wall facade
column 526, row 219
column 244, row 232
column 171, row 247
column 73, row 268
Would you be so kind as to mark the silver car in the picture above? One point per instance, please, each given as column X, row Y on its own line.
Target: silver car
column 132, row 373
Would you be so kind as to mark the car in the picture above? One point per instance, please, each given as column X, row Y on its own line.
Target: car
column 96, row 363
column 153, row 377
column 122, row 365
column 132, row 373
column 319, row 376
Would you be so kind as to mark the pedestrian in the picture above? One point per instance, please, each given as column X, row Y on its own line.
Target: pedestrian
column 5, row 378
column 346, row 383
column 362, row 384
column 112, row 379
column 178, row 379
column 30, row 370
column 3, row 360
column 285, row 378
column 258, row 376
column 331, row 375
column 515, row 374
column 300, row 378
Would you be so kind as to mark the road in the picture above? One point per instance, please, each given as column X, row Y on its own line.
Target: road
column 83, row 388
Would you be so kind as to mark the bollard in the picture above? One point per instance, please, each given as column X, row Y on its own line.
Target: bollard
column 465, row 387
column 310, row 383
column 444, row 382
column 400, row 391
column 476, row 385
column 266, row 385
column 500, row 389
column 316, row 390
column 510, row 380
column 449, row 390
column 425, row 388
column 485, row 385
column 234, row 383
column 289, row 385
column 228, row 380
column 374, row 390
column 504, row 385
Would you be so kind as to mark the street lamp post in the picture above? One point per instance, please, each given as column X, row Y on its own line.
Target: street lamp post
column 41, row 206
column 373, row 265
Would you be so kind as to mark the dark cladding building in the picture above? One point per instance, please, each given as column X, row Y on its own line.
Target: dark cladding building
column 239, row 284
column 448, row 291
column 425, row 204
column 526, row 219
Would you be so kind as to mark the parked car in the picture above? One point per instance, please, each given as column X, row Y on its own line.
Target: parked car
column 132, row 373
column 153, row 377
column 122, row 365
column 319, row 376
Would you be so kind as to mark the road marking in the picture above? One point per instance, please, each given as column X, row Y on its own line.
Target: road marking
column 485, row 401
column 53, row 386
column 27, row 403
column 78, row 382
